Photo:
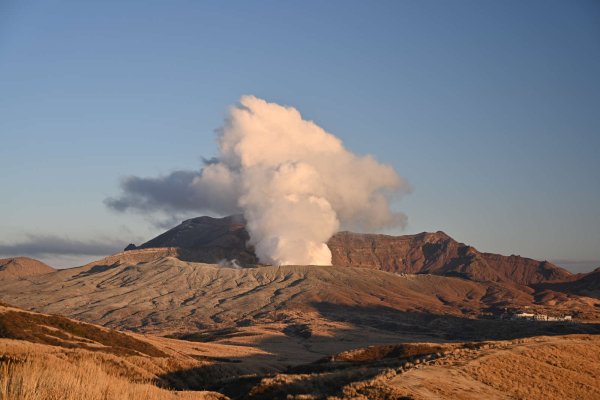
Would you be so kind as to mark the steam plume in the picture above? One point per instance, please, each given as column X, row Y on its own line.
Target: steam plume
column 295, row 183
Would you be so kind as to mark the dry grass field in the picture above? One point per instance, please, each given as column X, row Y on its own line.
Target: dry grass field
column 267, row 365
column 548, row 368
column 292, row 332
column 53, row 378
column 536, row 368
column 48, row 357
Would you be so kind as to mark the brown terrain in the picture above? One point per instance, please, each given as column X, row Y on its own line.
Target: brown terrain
column 211, row 240
column 584, row 285
column 439, row 254
column 167, row 296
column 407, row 317
column 208, row 240
column 18, row 267
column 218, row 240
column 564, row 367
column 52, row 357
column 48, row 356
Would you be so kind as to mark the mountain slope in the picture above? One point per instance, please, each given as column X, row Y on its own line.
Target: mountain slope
column 582, row 285
column 207, row 239
column 437, row 253
column 18, row 267
column 541, row 368
column 212, row 240
column 169, row 294
column 59, row 331
column 53, row 357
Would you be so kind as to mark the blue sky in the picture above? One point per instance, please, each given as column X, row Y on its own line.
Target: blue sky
column 489, row 109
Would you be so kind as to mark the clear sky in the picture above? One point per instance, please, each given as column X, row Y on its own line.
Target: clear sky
column 490, row 109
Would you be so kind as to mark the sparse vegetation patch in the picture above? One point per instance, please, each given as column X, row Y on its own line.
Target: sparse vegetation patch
column 59, row 331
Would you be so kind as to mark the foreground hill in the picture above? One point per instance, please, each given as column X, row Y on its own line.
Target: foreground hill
column 49, row 357
column 212, row 240
column 52, row 357
column 541, row 368
column 537, row 368
column 59, row 331
column 18, row 267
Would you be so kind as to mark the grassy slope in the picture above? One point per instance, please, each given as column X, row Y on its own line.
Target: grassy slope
column 60, row 331
column 51, row 357
column 541, row 368
column 50, row 377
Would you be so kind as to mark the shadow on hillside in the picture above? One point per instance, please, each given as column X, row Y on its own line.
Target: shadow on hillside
column 95, row 270
column 590, row 287
column 446, row 327
column 230, row 378
column 245, row 386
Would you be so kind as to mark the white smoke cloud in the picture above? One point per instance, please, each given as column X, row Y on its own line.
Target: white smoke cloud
column 295, row 183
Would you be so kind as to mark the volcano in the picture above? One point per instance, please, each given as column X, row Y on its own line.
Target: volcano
column 212, row 240
column 200, row 287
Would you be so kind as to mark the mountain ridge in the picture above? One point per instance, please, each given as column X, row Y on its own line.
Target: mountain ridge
column 438, row 253
column 213, row 240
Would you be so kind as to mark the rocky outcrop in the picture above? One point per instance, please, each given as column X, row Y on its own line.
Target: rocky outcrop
column 19, row 267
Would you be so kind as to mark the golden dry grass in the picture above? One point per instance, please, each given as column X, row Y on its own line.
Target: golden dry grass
column 30, row 370
column 250, row 361
column 558, row 369
column 544, row 368
column 49, row 377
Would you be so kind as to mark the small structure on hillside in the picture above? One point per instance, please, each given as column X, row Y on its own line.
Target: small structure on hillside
column 523, row 315
column 529, row 316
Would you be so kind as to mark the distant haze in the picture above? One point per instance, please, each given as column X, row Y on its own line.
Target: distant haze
column 578, row 266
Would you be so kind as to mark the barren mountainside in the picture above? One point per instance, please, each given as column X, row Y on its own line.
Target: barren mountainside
column 168, row 295
column 212, row 240
column 18, row 267
column 368, row 326
column 207, row 239
column 439, row 254
column 585, row 285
